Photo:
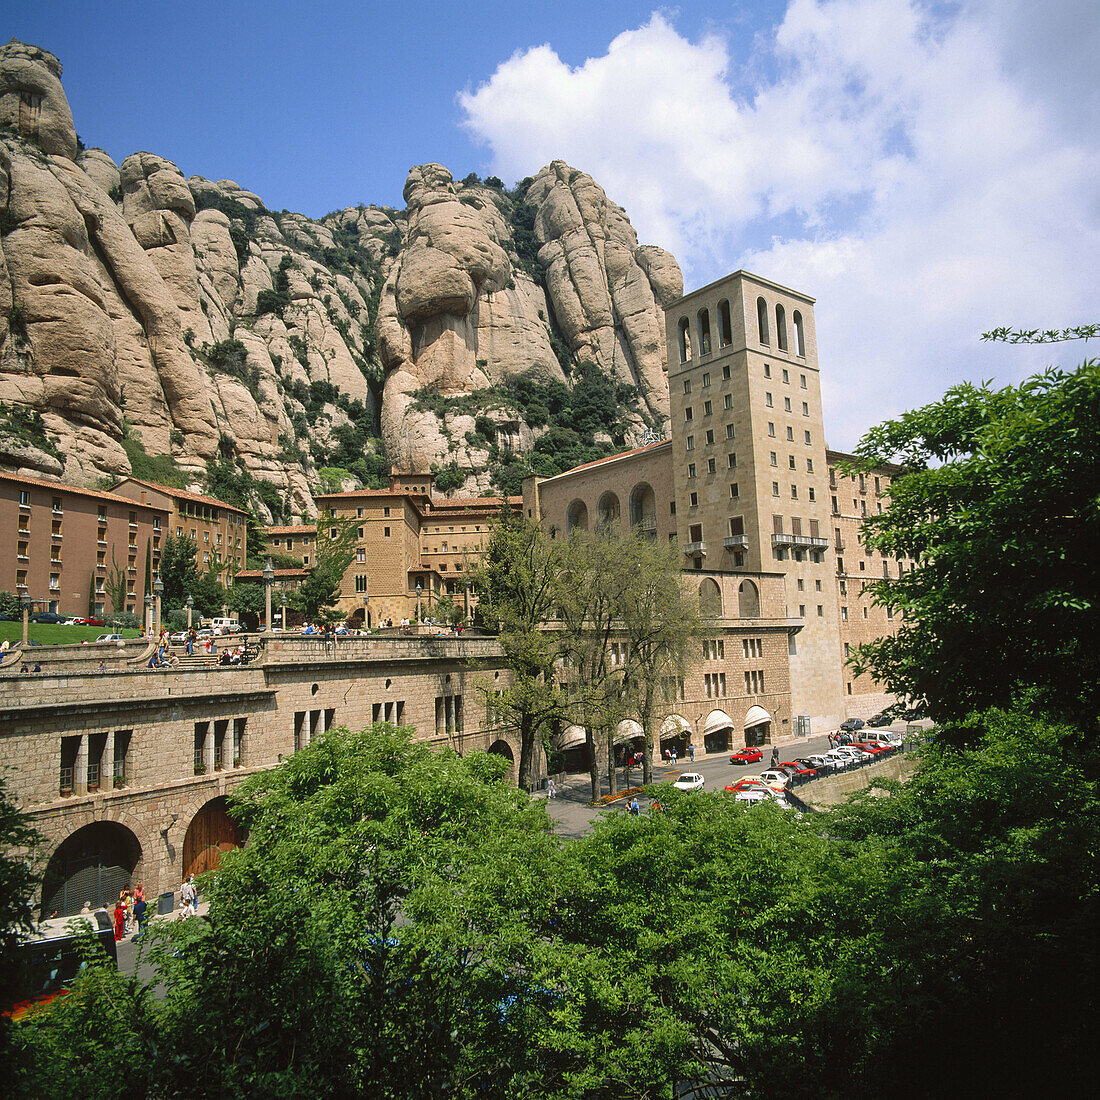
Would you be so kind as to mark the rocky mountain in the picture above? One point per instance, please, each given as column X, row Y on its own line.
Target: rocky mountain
column 178, row 328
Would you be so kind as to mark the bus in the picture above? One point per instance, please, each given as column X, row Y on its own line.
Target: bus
column 49, row 959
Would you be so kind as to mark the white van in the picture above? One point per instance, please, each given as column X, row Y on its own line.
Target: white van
column 225, row 626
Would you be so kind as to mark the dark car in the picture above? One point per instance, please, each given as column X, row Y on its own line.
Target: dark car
column 746, row 756
column 797, row 770
column 48, row 617
column 880, row 719
column 913, row 713
column 850, row 725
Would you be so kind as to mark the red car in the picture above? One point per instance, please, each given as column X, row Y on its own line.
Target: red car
column 795, row 768
column 873, row 747
column 747, row 756
column 750, row 782
column 90, row 622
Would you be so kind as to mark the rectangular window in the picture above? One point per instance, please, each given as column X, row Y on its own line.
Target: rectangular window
column 729, row 431
column 687, row 385
column 807, row 439
column 786, row 403
column 775, row 488
column 813, row 494
column 733, row 490
column 794, row 492
column 731, row 460
column 802, row 611
column 706, row 379
column 706, row 408
column 773, row 458
column 820, row 611
column 790, row 434
column 24, row 496
column 805, row 409
column 843, row 614
column 768, row 400
column 710, row 436
column 711, row 466
column 728, row 401
column 361, row 554
column 385, row 532
column 360, row 583
column 386, row 511
column 767, row 370
column 691, row 469
column 693, row 500
column 691, row 443
column 790, row 461
column 725, row 374
column 771, row 429
column 239, row 726
column 802, row 379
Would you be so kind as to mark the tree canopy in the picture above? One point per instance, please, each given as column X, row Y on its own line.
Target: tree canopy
column 999, row 503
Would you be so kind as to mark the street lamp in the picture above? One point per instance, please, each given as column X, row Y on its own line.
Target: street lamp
column 190, row 608
column 26, row 603
column 282, row 620
column 158, row 588
column 419, row 589
column 366, row 603
column 149, row 612
column 269, row 580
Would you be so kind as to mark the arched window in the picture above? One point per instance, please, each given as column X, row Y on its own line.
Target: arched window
column 704, row 331
column 685, row 340
column 725, row 325
column 799, row 335
column 576, row 517
column 780, row 328
column 748, row 601
column 710, row 599
column 608, row 512
column 762, row 320
column 643, row 511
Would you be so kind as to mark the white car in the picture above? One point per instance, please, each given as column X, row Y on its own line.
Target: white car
column 762, row 794
column 839, row 759
column 690, row 781
column 110, row 638
column 775, row 779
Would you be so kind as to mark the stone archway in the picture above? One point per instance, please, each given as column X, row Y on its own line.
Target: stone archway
column 501, row 747
column 91, row 865
column 210, row 835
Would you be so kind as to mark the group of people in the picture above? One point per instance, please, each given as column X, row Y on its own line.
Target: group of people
column 131, row 911
column 189, row 898
column 233, row 656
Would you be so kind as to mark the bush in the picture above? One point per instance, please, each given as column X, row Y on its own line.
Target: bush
column 123, row 620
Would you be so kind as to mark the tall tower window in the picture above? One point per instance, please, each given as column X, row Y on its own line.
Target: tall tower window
column 762, row 320
column 799, row 335
column 780, row 328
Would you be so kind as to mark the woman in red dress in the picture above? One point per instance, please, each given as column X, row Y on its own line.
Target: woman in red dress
column 120, row 920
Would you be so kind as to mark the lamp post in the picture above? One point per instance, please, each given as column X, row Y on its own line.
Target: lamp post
column 158, row 588
column 282, row 620
column 419, row 589
column 190, row 608
column 149, row 612
column 269, row 580
column 366, row 603
column 26, row 603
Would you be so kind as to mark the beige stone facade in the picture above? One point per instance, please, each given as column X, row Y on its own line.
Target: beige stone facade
column 136, row 764
column 218, row 530
column 60, row 544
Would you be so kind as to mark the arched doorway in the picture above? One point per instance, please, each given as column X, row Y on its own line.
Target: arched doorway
column 608, row 511
column 92, row 865
column 210, row 835
column 643, row 511
column 502, row 748
column 716, row 731
column 710, row 599
column 576, row 518
column 748, row 601
column 758, row 726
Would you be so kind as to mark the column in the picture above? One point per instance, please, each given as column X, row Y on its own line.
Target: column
column 107, row 764
column 80, row 772
column 208, row 748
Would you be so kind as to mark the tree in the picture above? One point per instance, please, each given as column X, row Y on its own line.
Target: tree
column 516, row 585
column 248, row 600
column 659, row 619
column 335, row 542
column 114, row 584
column 178, row 571
column 16, row 882
column 997, row 502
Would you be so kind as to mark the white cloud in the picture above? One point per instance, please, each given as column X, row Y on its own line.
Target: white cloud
column 910, row 167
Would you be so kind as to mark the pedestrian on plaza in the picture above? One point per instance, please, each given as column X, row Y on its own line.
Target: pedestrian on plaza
column 191, row 636
column 194, row 895
column 673, row 752
column 775, row 758
column 551, row 790
column 665, row 754
column 140, row 910
column 120, row 920
column 187, row 893
column 635, row 809
column 691, row 752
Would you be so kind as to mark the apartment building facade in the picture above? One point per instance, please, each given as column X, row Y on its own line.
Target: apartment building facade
column 219, row 530
column 76, row 551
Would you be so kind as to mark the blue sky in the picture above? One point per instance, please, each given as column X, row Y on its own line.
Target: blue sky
column 925, row 170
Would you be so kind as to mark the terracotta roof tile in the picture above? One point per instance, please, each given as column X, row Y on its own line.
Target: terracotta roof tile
column 61, row 485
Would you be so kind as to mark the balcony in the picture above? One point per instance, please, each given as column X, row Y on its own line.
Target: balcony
column 736, row 542
column 695, row 547
column 838, row 544
column 799, row 542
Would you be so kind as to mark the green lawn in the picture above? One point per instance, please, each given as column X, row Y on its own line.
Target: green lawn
column 56, row 634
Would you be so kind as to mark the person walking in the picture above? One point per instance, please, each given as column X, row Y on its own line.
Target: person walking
column 120, row 920
column 672, row 753
column 187, row 892
column 635, row 809
column 691, row 752
column 140, row 908
column 551, row 790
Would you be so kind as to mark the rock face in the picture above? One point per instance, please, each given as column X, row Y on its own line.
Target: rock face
column 142, row 309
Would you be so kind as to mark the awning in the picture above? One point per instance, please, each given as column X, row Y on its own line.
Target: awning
column 628, row 730
column 718, row 720
column 571, row 737
column 757, row 716
column 674, row 726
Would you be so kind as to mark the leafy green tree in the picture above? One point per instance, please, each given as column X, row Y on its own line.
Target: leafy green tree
column 516, row 581
column 997, row 502
column 114, row 584
column 178, row 572
column 16, row 883
column 249, row 601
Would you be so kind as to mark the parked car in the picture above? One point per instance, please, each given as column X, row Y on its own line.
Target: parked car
column 880, row 719
column 850, row 725
column 746, row 755
column 110, row 638
column 819, row 762
column 690, row 781
column 913, row 714
column 746, row 783
column 762, row 794
column 47, row 617
column 90, row 621
column 776, row 779
column 798, row 770
column 873, row 748
column 178, row 637
column 840, row 759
